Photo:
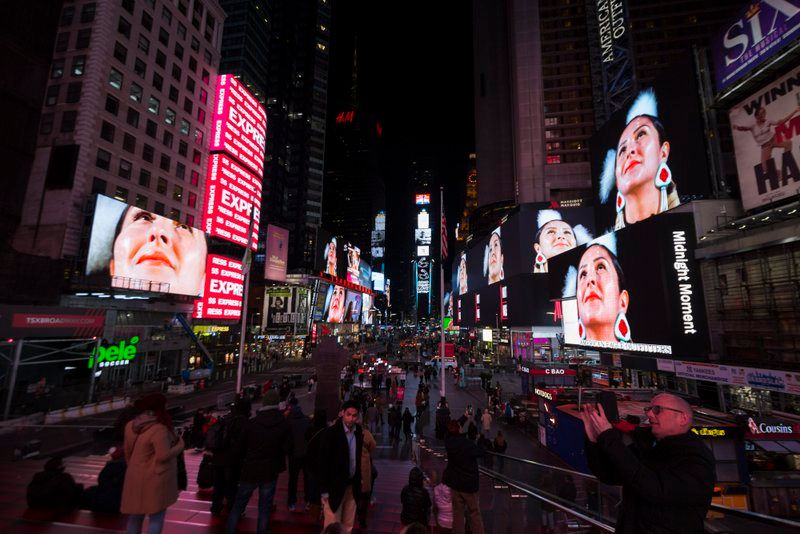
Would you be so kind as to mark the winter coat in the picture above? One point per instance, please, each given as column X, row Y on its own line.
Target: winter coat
column 407, row 420
column 52, row 489
column 415, row 500
column 461, row 473
column 265, row 443
column 444, row 505
column 234, row 429
column 366, row 461
column 151, row 480
column 299, row 424
column 666, row 487
column 486, row 421
column 333, row 471
column 107, row 495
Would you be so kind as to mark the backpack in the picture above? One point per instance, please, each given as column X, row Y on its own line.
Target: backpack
column 217, row 437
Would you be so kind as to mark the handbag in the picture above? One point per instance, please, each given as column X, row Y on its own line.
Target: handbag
column 205, row 474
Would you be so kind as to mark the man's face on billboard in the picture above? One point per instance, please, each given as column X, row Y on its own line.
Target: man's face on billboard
column 556, row 237
column 154, row 248
column 639, row 153
column 336, row 310
column 599, row 297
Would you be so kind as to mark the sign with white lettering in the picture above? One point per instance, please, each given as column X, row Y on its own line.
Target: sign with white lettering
column 222, row 298
column 239, row 124
column 232, row 193
column 760, row 429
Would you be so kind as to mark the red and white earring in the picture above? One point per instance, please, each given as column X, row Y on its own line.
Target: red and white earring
column 622, row 329
column 541, row 263
column 581, row 330
column 662, row 181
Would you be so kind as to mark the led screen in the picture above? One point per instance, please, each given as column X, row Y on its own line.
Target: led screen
column 320, row 300
column 239, row 124
column 224, row 287
column 335, row 304
column 353, row 305
column 367, row 314
column 232, row 194
column 353, row 255
column 637, row 289
column 132, row 248
column 329, row 249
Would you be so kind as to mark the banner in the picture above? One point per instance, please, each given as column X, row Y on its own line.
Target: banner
column 232, row 193
column 42, row 321
column 277, row 253
column 224, row 290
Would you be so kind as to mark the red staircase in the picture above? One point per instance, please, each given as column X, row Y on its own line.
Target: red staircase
column 191, row 513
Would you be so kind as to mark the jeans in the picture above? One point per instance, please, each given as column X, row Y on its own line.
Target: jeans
column 156, row 523
column 225, row 484
column 266, row 492
column 296, row 465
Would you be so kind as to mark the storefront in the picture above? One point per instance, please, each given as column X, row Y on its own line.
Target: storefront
column 548, row 376
column 773, row 462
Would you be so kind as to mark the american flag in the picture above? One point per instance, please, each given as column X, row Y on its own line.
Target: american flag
column 444, row 237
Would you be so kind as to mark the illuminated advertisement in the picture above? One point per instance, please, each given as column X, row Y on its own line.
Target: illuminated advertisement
column 231, row 193
column 520, row 300
column 423, row 275
column 423, row 250
column 762, row 29
column 614, row 281
column 239, row 124
column 47, row 321
column 277, row 252
column 132, row 248
column 364, row 274
column 353, row 263
column 765, row 128
column 327, row 253
column 422, row 236
column 334, row 308
column 367, row 314
column 286, row 307
column 224, row 288
column 378, row 282
column 651, row 157
column 318, row 300
column 353, row 305
column 422, row 199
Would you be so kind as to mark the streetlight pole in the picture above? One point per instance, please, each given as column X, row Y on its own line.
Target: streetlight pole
column 246, row 271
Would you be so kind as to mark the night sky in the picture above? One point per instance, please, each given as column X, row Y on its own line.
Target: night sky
column 415, row 70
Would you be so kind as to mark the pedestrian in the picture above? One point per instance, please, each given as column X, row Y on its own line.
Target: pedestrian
column 313, row 440
column 372, row 418
column 486, row 421
column 379, row 404
column 340, row 467
column 310, row 383
column 509, row 413
column 667, row 474
column 394, row 418
column 151, row 452
column 442, row 502
column 461, row 476
column 499, row 446
column 415, row 500
column 265, row 443
column 225, row 463
column 442, row 418
column 107, row 495
column 53, row 488
column 198, row 435
column 299, row 424
column 407, row 420
column 368, row 475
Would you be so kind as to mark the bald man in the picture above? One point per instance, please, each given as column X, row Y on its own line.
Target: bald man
column 667, row 473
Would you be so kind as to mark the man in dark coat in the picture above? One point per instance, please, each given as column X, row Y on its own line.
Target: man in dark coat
column 442, row 418
column 297, row 461
column 263, row 447
column 339, row 470
column 225, row 463
column 461, row 476
column 667, row 474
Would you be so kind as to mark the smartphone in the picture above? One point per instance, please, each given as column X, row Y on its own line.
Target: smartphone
column 608, row 400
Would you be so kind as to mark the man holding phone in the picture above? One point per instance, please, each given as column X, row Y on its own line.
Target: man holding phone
column 667, row 474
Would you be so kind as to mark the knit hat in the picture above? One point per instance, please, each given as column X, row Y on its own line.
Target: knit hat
column 271, row 399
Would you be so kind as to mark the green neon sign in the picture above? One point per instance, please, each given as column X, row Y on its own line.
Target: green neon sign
column 115, row 355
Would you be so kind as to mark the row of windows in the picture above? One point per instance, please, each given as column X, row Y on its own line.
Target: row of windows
column 123, row 194
column 87, row 14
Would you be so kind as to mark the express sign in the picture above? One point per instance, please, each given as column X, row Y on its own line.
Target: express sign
column 240, row 124
column 232, row 193
column 222, row 297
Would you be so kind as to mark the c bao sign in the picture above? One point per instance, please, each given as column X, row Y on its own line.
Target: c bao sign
column 120, row 354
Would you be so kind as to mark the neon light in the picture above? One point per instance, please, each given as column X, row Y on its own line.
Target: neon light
column 114, row 355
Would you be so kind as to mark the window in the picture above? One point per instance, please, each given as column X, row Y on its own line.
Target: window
column 192, row 64
column 161, row 59
column 120, row 52
column 74, row 92
column 62, row 42
column 184, row 127
column 189, row 219
column 201, row 115
column 174, row 214
column 195, row 44
column 158, row 208
column 68, row 121
column 203, row 96
column 84, row 36
column 195, row 178
column 51, row 97
column 57, row 69
column 151, row 129
column 190, row 84
column 147, row 20
column 133, row 117
column 198, row 137
column 140, row 68
column 98, row 186
column 107, row 131
column 178, row 50
column 125, row 169
column 153, row 104
column 112, row 105
column 166, row 16
column 167, row 139
column 144, row 178
column 141, row 201
column 176, row 72
column 177, row 193
column 181, row 31
column 121, row 194
column 88, row 11
column 207, row 56
column 169, row 116
column 115, row 79
column 163, row 37
column 196, row 157
column 129, row 143
column 165, row 163
column 161, row 187
column 173, row 93
column 124, row 27
column 136, row 93
column 192, row 202
column 46, row 123
column 103, row 159
column 180, row 170
column 183, row 148
column 187, row 105
column 67, row 14
column 128, row 6
column 205, row 76
column 144, row 44
column 148, row 153
column 78, row 65
column 158, row 81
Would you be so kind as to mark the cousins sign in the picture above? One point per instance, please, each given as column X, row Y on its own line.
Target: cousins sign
column 240, row 124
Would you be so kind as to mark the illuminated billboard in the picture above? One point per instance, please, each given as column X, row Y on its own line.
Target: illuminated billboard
column 422, row 236
column 277, row 253
column 353, row 263
column 232, row 192
column 328, row 249
column 287, row 308
column 378, row 282
column 367, row 315
column 334, row 308
column 765, row 125
column 353, row 305
column 136, row 249
column 239, row 124
column 224, row 288
column 423, row 250
column 636, row 289
column 422, row 199
column 423, row 275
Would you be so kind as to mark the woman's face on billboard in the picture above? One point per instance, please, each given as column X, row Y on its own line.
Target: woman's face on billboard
column 462, row 275
column 639, row 153
column 495, row 259
column 599, row 297
column 336, row 310
column 556, row 237
column 332, row 252
column 154, row 248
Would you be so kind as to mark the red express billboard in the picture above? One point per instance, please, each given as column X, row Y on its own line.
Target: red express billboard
column 231, row 192
column 240, row 124
column 222, row 298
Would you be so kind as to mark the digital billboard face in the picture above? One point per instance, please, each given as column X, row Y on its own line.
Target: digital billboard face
column 765, row 126
column 136, row 249
column 329, row 248
column 232, row 193
column 353, row 255
column 366, row 309
column 239, row 124
column 651, row 157
column 353, row 306
column 637, row 290
column 224, row 288
column 334, row 309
